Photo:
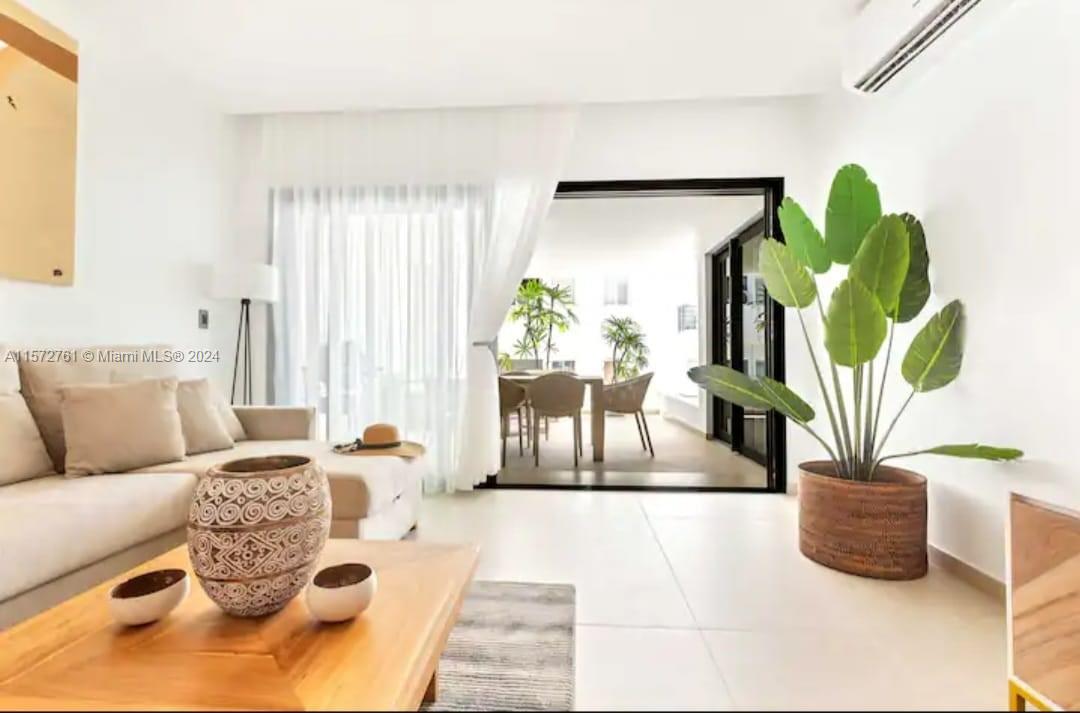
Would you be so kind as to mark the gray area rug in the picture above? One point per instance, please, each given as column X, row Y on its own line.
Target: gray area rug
column 512, row 650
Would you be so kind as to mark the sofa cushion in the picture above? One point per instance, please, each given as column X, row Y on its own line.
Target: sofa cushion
column 52, row 526
column 228, row 416
column 41, row 382
column 359, row 485
column 204, row 429
column 110, row 428
column 22, row 452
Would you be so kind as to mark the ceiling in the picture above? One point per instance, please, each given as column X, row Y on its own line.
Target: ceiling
column 307, row 55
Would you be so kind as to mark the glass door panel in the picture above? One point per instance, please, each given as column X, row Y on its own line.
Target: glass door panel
column 722, row 345
column 744, row 338
column 753, row 310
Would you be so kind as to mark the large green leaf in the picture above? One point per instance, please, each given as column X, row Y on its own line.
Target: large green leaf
column 787, row 280
column 730, row 385
column 916, row 289
column 786, row 401
column 975, row 450
column 854, row 207
column 934, row 357
column 882, row 261
column 856, row 324
column 803, row 237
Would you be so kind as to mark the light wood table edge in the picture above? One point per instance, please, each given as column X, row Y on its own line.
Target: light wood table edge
column 423, row 688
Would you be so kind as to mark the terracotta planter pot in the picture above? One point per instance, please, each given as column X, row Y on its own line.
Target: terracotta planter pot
column 875, row 529
column 255, row 531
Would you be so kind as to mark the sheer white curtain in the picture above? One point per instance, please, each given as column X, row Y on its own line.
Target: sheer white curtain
column 401, row 237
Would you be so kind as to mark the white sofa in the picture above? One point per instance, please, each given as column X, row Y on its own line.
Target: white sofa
column 59, row 535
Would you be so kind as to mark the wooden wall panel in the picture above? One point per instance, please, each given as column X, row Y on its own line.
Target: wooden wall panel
column 38, row 114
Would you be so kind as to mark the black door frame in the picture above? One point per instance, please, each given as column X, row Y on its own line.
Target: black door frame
column 772, row 190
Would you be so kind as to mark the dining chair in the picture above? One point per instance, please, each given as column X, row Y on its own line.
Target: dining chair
column 528, row 413
column 552, row 396
column 512, row 399
column 545, row 425
column 629, row 397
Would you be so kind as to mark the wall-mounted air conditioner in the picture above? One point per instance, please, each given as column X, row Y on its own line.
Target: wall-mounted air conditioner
column 890, row 38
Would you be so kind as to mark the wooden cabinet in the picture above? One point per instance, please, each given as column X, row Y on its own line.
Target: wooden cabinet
column 1043, row 605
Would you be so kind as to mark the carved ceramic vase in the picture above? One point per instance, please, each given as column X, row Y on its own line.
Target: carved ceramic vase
column 255, row 531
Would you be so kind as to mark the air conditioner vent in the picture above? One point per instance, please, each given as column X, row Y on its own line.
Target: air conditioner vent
column 914, row 43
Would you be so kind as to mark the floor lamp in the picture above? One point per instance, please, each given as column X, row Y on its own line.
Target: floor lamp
column 250, row 282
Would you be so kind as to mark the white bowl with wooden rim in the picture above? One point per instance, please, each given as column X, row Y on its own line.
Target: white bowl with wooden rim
column 341, row 592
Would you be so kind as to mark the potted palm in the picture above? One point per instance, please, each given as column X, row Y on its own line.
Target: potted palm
column 856, row 513
column 629, row 352
column 543, row 309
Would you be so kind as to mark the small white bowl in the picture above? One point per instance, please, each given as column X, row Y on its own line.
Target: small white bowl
column 341, row 592
column 148, row 597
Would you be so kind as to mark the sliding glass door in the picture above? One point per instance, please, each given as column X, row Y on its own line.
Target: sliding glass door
column 747, row 334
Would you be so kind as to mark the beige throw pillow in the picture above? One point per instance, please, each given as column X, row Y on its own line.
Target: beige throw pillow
column 228, row 416
column 41, row 384
column 110, row 428
column 204, row 428
column 22, row 452
column 41, row 381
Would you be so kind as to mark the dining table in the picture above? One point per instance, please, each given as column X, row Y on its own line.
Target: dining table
column 596, row 401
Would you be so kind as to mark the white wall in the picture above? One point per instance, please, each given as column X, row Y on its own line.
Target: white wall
column 149, row 210
column 693, row 139
column 984, row 148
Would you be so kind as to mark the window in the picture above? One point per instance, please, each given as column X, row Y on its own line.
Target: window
column 372, row 324
column 616, row 291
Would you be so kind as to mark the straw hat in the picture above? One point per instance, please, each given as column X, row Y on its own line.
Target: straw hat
column 381, row 439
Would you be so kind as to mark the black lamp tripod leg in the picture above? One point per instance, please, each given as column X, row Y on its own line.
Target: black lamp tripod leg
column 247, row 354
column 236, row 359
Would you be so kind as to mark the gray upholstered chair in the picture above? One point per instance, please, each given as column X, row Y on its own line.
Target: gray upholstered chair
column 512, row 400
column 629, row 397
column 553, row 396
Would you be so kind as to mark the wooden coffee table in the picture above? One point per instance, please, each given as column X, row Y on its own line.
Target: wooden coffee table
column 74, row 657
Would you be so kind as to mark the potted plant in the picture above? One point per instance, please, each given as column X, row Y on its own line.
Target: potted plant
column 857, row 514
column 543, row 310
column 629, row 353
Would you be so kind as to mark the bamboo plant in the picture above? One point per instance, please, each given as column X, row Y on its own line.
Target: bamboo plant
column 544, row 309
column 887, row 283
column 629, row 352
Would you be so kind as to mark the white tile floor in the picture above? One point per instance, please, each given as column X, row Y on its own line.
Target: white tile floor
column 702, row 601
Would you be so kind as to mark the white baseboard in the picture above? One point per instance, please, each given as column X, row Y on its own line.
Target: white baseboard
column 970, row 574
